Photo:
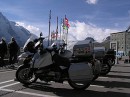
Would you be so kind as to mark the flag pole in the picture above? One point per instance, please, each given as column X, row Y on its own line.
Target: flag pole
column 60, row 29
column 51, row 37
column 63, row 30
column 57, row 28
column 66, row 34
column 49, row 27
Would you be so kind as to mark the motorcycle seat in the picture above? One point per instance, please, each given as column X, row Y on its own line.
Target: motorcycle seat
column 49, row 49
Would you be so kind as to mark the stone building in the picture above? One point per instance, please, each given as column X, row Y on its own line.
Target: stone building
column 123, row 41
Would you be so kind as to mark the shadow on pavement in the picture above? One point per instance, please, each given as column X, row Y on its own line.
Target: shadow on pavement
column 122, row 65
column 63, row 92
column 119, row 72
column 112, row 84
column 118, row 76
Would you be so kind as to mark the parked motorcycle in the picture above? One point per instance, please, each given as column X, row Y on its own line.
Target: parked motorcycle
column 107, row 60
column 111, row 56
column 94, row 63
column 48, row 65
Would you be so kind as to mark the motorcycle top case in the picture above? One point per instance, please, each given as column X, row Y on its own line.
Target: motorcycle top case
column 99, row 52
column 83, row 48
column 80, row 72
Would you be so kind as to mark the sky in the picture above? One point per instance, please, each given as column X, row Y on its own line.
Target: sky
column 87, row 18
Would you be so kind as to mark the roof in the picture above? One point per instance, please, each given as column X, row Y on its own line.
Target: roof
column 120, row 32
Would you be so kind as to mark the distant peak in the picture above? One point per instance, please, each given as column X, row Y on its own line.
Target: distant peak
column 2, row 17
column 1, row 14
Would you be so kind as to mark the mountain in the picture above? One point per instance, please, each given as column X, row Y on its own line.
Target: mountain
column 10, row 29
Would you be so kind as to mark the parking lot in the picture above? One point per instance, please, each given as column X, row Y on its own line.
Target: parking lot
column 115, row 84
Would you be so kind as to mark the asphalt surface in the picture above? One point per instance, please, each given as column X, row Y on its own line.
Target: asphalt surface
column 115, row 84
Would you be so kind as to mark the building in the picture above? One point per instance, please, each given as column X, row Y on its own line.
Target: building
column 123, row 42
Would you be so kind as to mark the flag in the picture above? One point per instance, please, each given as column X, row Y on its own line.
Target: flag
column 54, row 35
column 65, row 23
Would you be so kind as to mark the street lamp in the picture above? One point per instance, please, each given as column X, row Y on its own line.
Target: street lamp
column 125, row 42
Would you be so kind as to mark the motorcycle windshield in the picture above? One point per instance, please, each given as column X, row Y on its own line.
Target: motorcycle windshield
column 57, row 43
column 31, row 38
column 37, row 43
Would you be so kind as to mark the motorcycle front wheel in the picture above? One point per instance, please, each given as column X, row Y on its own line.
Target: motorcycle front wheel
column 25, row 75
column 79, row 85
column 111, row 62
column 106, row 68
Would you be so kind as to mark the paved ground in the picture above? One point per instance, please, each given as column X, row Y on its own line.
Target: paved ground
column 115, row 84
column 8, row 68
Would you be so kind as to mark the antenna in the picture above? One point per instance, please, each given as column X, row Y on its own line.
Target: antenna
column 128, row 29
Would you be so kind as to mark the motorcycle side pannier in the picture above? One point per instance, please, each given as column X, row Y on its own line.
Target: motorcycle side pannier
column 80, row 72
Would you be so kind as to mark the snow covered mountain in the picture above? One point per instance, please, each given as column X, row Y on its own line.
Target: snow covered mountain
column 10, row 29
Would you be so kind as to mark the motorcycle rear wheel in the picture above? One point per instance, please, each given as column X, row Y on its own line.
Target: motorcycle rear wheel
column 95, row 77
column 78, row 85
column 25, row 76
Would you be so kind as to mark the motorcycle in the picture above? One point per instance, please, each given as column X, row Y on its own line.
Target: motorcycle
column 93, row 63
column 107, row 61
column 110, row 54
column 48, row 65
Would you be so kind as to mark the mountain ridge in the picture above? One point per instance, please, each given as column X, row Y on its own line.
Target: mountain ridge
column 10, row 29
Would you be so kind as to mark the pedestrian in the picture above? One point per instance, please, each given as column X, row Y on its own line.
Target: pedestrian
column 3, row 51
column 13, row 51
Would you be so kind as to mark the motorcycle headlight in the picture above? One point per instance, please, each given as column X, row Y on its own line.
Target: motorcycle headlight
column 20, row 61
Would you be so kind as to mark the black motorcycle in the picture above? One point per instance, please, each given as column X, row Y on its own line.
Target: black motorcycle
column 107, row 61
column 48, row 65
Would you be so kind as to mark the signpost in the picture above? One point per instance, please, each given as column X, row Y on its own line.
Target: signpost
column 114, row 45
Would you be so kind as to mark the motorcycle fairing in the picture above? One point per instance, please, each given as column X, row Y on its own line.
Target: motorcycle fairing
column 42, row 60
column 22, row 57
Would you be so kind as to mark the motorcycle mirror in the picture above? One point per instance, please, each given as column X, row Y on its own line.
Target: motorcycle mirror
column 64, row 44
column 40, row 34
column 41, row 38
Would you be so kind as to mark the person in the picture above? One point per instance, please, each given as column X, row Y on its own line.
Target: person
column 3, row 51
column 13, row 50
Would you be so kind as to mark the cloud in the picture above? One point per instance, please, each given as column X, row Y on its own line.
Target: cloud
column 31, row 28
column 78, row 31
column 92, row 1
column 81, row 30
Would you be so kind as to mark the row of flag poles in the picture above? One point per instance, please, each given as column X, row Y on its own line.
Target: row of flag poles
column 54, row 35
